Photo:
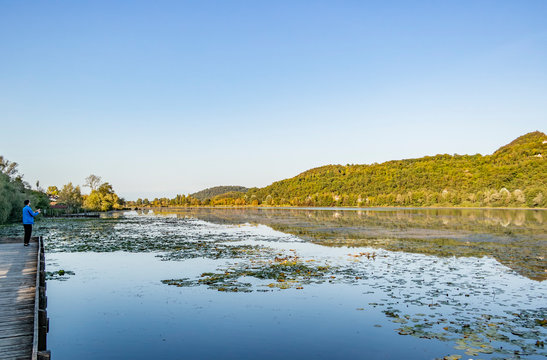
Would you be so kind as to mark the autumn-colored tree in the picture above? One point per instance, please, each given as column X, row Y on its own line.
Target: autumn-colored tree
column 71, row 196
column 52, row 191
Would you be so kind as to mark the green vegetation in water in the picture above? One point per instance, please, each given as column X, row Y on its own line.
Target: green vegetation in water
column 447, row 313
column 516, row 238
column 406, row 283
column 61, row 275
column 447, row 308
column 141, row 234
column 285, row 272
column 516, row 334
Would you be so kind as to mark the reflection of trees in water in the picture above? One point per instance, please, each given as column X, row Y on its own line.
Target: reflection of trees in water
column 492, row 221
column 514, row 237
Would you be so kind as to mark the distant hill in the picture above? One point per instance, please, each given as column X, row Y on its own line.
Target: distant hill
column 218, row 190
column 515, row 175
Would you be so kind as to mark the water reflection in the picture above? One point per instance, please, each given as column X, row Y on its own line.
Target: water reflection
column 516, row 238
column 195, row 282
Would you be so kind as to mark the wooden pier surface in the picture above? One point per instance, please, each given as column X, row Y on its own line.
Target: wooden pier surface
column 19, row 278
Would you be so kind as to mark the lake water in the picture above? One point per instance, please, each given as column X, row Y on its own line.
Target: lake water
column 298, row 283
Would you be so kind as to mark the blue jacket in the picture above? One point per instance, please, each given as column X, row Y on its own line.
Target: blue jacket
column 28, row 215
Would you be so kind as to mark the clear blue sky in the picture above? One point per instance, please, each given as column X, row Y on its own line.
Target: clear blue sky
column 166, row 97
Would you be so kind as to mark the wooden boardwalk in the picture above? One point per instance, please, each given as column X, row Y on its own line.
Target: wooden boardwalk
column 23, row 321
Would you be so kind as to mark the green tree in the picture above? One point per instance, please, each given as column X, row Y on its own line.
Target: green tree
column 13, row 191
column 93, row 201
column 8, row 168
column 103, row 199
column 71, row 196
column 11, row 199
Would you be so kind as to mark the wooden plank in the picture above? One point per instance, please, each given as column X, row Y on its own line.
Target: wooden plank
column 16, row 326
column 16, row 319
column 15, row 301
column 17, row 346
column 22, row 340
column 21, row 324
column 13, row 311
column 16, row 354
column 13, row 333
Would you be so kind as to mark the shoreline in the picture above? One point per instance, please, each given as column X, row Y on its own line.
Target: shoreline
column 338, row 207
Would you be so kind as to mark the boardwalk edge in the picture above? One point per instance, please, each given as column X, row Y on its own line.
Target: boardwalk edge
column 41, row 321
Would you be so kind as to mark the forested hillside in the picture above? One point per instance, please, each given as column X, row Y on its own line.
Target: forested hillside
column 216, row 191
column 515, row 175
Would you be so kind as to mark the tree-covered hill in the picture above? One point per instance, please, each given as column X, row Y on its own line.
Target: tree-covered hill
column 216, row 191
column 515, row 175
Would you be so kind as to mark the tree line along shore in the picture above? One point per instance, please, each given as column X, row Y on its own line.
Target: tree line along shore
column 514, row 176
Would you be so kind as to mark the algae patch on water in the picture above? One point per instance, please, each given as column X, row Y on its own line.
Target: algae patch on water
column 281, row 273
column 59, row 275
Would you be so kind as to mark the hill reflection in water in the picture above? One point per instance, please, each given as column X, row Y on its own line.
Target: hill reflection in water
column 516, row 238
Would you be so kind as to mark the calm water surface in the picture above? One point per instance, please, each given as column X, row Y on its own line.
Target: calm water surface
column 321, row 284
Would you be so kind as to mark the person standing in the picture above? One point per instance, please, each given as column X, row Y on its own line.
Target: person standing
column 28, row 220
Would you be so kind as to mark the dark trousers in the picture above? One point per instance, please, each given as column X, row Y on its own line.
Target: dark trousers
column 28, row 232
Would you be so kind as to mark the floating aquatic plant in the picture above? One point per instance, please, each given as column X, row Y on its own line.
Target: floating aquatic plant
column 59, row 275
